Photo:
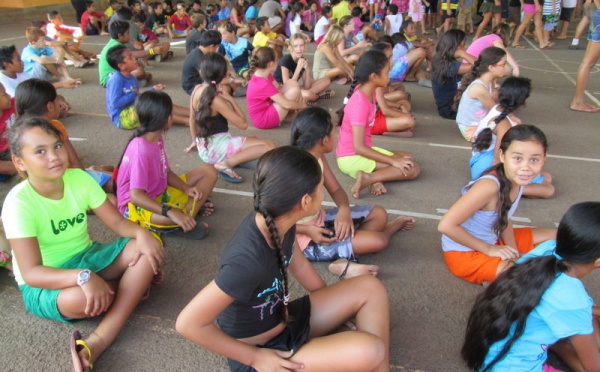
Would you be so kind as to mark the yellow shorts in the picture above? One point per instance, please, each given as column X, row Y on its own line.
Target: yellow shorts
column 174, row 197
column 128, row 118
column 353, row 163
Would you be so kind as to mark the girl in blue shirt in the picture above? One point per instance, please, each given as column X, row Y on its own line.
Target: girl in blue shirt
column 549, row 307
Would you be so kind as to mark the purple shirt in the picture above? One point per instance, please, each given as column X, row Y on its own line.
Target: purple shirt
column 145, row 166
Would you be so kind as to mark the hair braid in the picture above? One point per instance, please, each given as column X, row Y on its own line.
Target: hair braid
column 340, row 112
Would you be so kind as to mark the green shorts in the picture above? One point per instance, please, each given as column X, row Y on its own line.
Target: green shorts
column 353, row 163
column 44, row 302
column 128, row 118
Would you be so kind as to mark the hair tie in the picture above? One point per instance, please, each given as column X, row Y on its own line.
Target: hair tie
column 558, row 257
column 213, row 82
column 477, row 63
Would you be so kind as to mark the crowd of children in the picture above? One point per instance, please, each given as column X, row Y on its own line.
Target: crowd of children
column 372, row 46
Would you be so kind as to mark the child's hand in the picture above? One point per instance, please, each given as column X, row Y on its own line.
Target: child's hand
column 159, row 87
column 194, row 192
column 186, row 222
column 147, row 245
column 405, row 164
column 274, row 360
column 98, row 295
column 505, row 252
column 320, row 235
column 343, row 224
column 190, row 147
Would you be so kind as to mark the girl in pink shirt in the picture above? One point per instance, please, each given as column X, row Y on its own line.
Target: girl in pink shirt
column 356, row 155
column 268, row 102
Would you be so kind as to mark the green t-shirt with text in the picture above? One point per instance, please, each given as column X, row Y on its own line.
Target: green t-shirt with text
column 61, row 226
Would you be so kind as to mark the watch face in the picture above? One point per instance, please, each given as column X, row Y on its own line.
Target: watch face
column 83, row 277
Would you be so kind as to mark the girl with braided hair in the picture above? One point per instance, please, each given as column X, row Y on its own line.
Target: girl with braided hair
column 211, row 109
column 512, row 94
column 549, row 306
column 148, row 191
column 356, row 155
column 478, row 240
column 259, row 328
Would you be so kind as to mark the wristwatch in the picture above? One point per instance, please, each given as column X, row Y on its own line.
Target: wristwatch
column 83, row 277
column 165, row 209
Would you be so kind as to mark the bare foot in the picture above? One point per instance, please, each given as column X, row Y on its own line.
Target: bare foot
column 377, row 189
column 403, row 223
column 354, row 269
column 358, row 185
column 584, row 107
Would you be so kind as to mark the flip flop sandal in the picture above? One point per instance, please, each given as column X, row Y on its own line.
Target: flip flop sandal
column 210, row 209
column 199, row 232
column 227, row 177
column 77, row 344
column 328, row 94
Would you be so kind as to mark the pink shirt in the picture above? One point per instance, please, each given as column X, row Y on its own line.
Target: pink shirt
column 359, row 111
column 144, row 166
column 357, row 24
column 258, row 100
column 482, row 43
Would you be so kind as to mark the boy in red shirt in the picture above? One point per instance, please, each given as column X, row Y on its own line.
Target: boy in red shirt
column 180, row 23
column 93, row 22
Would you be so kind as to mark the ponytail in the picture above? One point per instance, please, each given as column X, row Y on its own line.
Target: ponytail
column 260, row 59
column 213, row 68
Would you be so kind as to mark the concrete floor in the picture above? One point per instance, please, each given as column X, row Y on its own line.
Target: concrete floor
column 429, row 305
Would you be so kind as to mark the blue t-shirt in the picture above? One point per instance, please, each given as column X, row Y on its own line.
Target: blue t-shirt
column 251, row 13
column 238, row 53
column 564, row 310
column 224, row 14
column 120, row 94
column 30, row 52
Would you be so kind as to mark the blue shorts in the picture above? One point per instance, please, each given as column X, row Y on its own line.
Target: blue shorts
column 40, row 72
column 481, row 161
column 44, row 302
column 399, row 69
column 594, row 33
column 319, row 252
column 101, row 178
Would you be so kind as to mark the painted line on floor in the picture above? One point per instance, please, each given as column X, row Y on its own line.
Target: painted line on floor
column 77, row 139
column 564, row 73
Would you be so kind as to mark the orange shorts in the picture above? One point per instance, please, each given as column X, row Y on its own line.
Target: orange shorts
column 380, row 125
column 476, row 267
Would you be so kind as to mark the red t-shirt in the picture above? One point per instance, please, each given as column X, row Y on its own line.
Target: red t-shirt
column 85, row 19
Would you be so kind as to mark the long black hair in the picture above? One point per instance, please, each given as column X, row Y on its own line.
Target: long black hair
column 32, row 97
column 516, row 292
column 521, row 133
column 283, row 176
column 512, row 94
column 443, row 59
column 309, row 127
column 488, row 57
column 372, row 62
column 153, row 109
column 213, row 68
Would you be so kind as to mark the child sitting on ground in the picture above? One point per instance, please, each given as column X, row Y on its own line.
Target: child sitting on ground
column 338, row 234
column 179, row 24
column 70, row 35
column 356, row 155
column 479, row 241
column 122, row 90
column 12, row 74
column 212, row 108
column 268, row 103
column 41, row 61
column 119, row 35
column 93, row 22
column 198, row 27
column 512, row 94
column 148, row 192
column 62, row 274
column 152, row 19
column 265, row 37
column 36, row 97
